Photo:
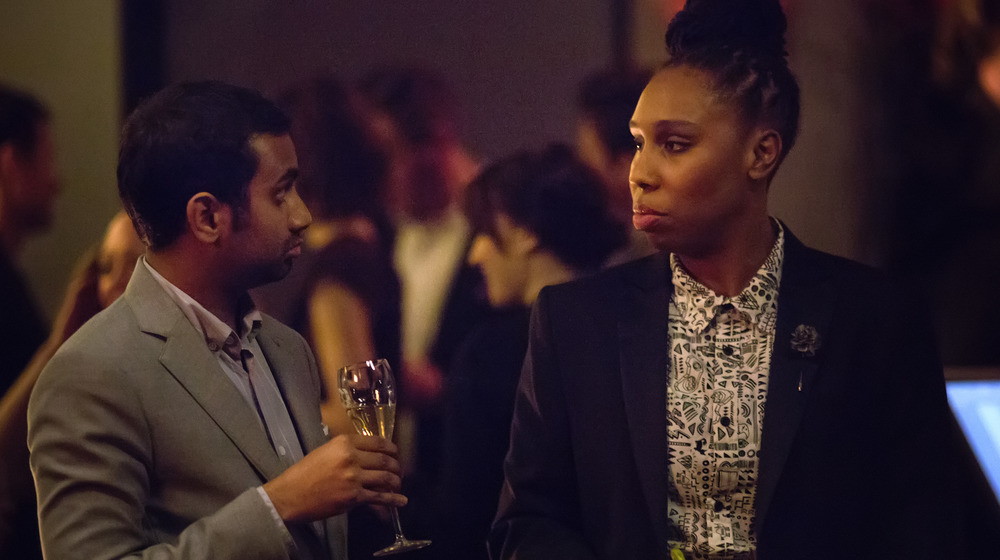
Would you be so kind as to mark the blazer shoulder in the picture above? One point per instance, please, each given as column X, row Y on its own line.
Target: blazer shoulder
column 109, row 336
column 803, row 262
column 652, row 270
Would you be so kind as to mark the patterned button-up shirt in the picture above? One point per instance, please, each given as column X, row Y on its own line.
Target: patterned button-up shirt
column 720, row 353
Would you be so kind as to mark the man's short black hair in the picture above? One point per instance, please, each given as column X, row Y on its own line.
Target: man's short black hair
column 20, row 115
column 188, row 138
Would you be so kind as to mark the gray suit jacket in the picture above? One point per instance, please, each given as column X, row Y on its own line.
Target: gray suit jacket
column 141, row 447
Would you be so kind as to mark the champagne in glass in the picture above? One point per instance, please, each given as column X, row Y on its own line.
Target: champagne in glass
column 368, row 392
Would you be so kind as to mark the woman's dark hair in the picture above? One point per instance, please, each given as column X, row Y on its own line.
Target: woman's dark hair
column 608, row 100
column 553, row 195
column 188, row 138
column 741, row 43
column 341, row 168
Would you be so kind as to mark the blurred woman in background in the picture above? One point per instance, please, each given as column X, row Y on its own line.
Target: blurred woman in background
column 97, row 282
column 342, row 295
column 540, row 218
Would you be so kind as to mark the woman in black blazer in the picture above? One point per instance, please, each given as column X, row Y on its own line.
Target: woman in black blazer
column 851, row 456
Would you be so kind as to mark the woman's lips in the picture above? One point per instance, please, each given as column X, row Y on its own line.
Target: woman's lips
column 645, row 219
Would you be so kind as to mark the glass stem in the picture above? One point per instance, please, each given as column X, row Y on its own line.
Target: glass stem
column 396, row 525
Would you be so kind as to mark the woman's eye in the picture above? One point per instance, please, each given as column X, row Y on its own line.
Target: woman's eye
column 673, row 147
column 638, row 144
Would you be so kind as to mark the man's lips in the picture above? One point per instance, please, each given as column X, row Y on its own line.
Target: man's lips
column 644, row 219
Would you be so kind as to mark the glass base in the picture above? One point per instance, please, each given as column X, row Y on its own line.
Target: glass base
column 401, row 545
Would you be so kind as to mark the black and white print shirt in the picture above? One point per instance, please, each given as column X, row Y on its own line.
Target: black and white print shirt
column 720, row 354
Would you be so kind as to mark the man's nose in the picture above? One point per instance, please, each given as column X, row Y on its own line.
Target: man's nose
column 300, row 217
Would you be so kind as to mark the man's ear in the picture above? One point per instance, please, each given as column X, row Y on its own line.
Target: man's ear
column 207, row 218
column 765, row 155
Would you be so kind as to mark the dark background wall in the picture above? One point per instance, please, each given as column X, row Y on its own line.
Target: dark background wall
column 515, row 66
column 67, row 53
column 514, row 63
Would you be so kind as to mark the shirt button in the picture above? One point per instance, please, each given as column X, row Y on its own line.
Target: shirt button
column 727, row 350
column 281, row 450
column 725, row 421
column 718, row 506
column 213, row 347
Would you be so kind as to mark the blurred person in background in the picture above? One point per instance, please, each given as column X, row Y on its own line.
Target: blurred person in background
column 343, row 293
column 605, row 102
column 442, row 295
column 98, row 281
column 28, row 189
column 947, row 204
column 539, row 218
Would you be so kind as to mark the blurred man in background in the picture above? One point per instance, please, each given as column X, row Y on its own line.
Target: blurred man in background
column 28, row 189
column 442, row 296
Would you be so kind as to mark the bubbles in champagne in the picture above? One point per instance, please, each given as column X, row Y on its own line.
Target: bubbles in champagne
column 373, row 420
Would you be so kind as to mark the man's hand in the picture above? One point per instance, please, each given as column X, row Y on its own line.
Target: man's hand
column 344, row 472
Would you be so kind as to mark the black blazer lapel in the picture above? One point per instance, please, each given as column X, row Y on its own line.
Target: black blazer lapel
column 806, row 297
column 642, row 330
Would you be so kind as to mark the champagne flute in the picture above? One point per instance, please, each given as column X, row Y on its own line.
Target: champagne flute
column 368, row 392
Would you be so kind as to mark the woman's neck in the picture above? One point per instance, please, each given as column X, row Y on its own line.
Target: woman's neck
column 728, row 270
column 545, row 270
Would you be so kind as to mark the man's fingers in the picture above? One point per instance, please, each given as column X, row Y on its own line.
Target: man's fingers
column 380, row 480
column 383, row 498
column 375, row 444
column 378, row 461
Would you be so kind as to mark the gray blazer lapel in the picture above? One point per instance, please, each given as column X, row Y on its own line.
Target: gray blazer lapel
column 187, row 358
column 643, row 333
column 297, row 378
column 297, row 381
column 806, row 297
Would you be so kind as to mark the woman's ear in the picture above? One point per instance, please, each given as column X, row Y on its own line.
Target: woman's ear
column 515, row 239
column 989, row 77
column 523, row 240
column 207, row 218
column 765, row 155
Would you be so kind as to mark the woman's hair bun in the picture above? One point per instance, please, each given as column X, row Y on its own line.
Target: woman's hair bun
column 755, row 27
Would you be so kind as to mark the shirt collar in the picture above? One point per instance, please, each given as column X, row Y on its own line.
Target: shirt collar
column 698, row 305
column 217, row 334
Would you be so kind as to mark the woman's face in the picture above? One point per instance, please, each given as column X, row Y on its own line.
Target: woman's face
column 503, row 262
column 689, row 176
column 119, row 251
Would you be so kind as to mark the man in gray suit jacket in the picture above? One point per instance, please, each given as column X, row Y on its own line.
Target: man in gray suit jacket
column 180, row 422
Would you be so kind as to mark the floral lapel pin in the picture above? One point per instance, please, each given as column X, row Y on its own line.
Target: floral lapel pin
column 805, row 341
